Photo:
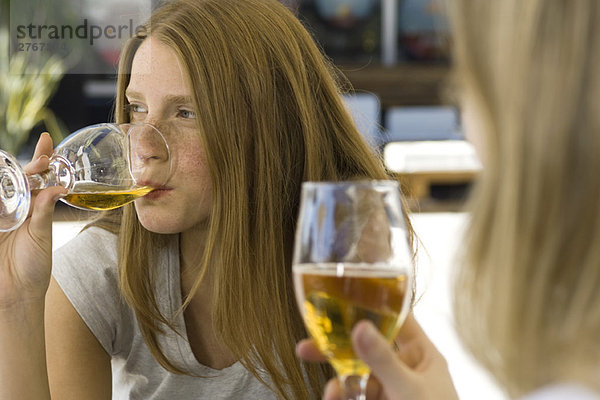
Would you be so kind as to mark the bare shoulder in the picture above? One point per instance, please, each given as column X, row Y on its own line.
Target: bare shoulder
column 78, row 366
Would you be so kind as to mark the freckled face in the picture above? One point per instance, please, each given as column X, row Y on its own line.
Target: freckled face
column 159, row 93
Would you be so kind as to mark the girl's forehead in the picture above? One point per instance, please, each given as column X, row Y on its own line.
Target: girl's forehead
column 156, row 67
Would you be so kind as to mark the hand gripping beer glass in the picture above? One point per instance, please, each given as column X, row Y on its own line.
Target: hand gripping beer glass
column 352, row 261
column 103, row 166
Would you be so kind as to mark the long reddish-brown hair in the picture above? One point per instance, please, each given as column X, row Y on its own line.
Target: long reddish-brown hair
column 272, row 117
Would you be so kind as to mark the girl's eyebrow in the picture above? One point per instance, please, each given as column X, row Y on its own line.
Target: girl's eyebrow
column 179, row 99
column 171, row 98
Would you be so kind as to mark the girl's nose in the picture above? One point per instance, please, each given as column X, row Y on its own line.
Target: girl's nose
column 149, row 154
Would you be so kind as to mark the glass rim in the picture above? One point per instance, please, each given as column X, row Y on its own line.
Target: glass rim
column 136, row 124
column 118, row 126
column 125, row 128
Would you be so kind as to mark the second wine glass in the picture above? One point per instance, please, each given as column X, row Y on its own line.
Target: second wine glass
column 352, row 261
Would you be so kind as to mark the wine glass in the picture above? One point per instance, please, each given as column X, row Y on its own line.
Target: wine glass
column 352, row 261
column 103, row 166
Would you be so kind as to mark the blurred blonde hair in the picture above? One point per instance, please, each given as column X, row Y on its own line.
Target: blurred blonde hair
column 528, row 297
column 270, row 117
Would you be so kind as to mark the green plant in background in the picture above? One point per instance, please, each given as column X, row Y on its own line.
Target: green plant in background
column 26, row 86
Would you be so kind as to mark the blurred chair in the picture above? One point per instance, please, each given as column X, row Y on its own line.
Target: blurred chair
column 421, row 123
column 365, row 109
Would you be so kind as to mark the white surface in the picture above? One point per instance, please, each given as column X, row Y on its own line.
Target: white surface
column 562, row 392
column 441, row 155
column 440, row 236
column 62, row 232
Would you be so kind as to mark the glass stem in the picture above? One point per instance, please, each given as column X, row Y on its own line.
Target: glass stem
column 42, row 180
column 354, row 386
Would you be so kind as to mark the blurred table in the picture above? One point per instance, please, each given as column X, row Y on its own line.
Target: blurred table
column 420, row 165
column 417, row 185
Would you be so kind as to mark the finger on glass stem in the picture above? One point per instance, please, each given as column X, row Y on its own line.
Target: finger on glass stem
column 44, row 146
column 332, row 390
column 307, row 350
column 37, row 165
column 376, row 351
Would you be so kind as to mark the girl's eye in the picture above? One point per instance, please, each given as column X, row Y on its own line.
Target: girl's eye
column 136, row 108
column 136, row 112
column 187, row 114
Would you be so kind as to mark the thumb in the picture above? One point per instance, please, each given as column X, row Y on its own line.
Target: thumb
column 377, row 352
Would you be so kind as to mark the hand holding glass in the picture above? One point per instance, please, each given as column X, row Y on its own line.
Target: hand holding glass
column 352, row 261
column 103, row 166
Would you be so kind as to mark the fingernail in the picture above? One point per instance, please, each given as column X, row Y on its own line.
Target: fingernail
column 42, row 156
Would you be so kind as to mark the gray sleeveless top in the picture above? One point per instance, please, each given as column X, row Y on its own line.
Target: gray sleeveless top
column 86, row 270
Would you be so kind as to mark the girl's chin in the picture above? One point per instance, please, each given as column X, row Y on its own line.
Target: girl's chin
column 167, row 218
column 156, row 220
column 158, row 227
column 164, row 224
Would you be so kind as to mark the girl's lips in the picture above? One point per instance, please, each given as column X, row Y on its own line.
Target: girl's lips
column 157, row 193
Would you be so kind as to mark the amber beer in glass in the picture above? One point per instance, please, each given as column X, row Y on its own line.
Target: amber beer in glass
column 352, row 262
